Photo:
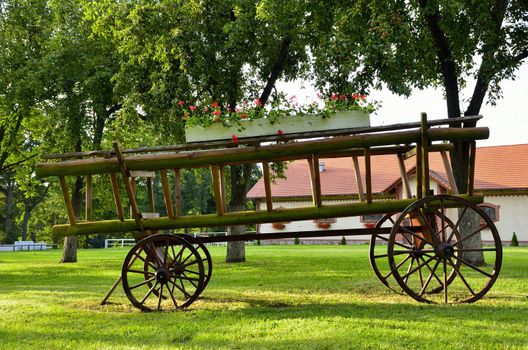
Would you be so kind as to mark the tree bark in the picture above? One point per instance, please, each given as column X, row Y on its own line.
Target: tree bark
column 9, row 191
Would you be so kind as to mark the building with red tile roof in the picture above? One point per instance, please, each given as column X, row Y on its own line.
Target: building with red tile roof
column 501, row 175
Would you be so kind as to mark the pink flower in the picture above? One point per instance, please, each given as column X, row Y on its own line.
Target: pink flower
column 258, row 103
column 333, row 96
column 363, row 97
column 215, row 104
column 355, row 96
column 181, row 103
column 235, row 139
column 192, row 108
column 217, row 113
column 280, row 132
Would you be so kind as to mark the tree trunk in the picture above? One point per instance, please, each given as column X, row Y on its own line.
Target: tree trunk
column 27, row 213
column 11, row 234
column 240, row 176
column 69, row 252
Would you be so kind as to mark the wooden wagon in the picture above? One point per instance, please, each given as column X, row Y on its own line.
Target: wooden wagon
column 423, row 244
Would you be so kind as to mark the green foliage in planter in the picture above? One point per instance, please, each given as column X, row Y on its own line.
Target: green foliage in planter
column 296, row 240
column 514, row 242
column 343, row 241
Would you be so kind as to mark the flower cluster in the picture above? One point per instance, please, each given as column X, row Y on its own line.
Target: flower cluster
column 280, row 107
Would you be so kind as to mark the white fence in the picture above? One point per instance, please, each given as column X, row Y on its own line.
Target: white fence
column 26, row 245
column 122, row 242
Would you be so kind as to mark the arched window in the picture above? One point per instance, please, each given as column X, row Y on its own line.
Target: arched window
column 492, row 210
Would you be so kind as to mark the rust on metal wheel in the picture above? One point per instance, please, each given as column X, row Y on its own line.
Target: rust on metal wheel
column 163, row 272
column 429, row 250
column 207, row 261
column 378, row 253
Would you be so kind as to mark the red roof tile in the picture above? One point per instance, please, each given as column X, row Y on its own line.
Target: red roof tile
column 497, row 167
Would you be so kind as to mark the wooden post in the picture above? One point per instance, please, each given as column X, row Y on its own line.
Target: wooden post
column 128, row 187
column 215, row 174
column 471, row 168
column 359, row 183
column 267, row 185
column 166, row 193
column 67, row 200
column 406, row 191
column 117, row 197
column 315, row 179
column 368, row 175
column 177, row 192
column 425, row 154
column 449, row 172
column 150, row 194
column 223, row 188
column 89, row 196
column 419, row 170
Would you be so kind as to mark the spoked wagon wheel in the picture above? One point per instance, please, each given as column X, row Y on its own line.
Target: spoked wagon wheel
column 378, row 253
column 433, row 234
column 163, row 272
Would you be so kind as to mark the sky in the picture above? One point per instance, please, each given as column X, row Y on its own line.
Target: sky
column 507, row 120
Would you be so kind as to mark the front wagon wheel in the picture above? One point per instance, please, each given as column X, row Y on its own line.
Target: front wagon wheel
column 163, row 272
column 435, row 233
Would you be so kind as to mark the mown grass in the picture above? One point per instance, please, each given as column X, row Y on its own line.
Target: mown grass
column 290, row 297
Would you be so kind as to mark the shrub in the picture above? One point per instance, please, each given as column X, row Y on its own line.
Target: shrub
column 343, row 240
column 296, row 240
column 514, row 242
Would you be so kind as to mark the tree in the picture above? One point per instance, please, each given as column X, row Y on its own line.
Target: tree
column 422, row 43
column 223, row 51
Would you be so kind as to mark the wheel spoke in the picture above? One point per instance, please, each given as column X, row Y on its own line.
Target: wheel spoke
column 191, row 280
column 416, row 268
column 422, row 291
column 445, row 280
column 433, row 236
column 160, row 296
column 442, row 219
column 455, row 228
column 472, row 266
column 149, row 292
column 142, row 283
column 188, row 264
column 144, row 260
column 171, row 293
column 165, row 260
column 409, row 268
column 472, row 234
column 434, row 269
column 461, row 276
column 415, row 235
column 180, row 289
column 141, row 272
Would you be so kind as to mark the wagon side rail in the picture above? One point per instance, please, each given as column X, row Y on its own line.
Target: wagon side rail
column 402, row 143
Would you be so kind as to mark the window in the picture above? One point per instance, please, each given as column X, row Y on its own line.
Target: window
column 492, row 210
column 371, row 218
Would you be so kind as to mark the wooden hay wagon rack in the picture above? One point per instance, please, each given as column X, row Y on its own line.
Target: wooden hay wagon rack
column 421, row 246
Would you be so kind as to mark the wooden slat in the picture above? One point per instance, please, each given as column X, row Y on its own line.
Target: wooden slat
column 449, row 172
column 88, row 214
column 177, row 192
column 167, row 193
column 471, row 168
column 67, row 200
column 215, row 174
column 368, row 175
column 405, row 178
column 315, row 180
column 117, row 197
column 359, row 183
column 267, row 185
column 150, row 195
column 128, row 187
column 223, row 188
column 142, row 173
column 425, row 154
column 419, row 170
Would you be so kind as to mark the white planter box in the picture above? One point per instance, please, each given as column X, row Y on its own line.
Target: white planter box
column 262, row 127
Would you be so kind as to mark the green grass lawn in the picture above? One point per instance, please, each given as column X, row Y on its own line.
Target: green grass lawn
column 290, row 297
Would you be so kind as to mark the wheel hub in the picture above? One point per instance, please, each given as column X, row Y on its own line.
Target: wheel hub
column 162, row 276
column 445, row 251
